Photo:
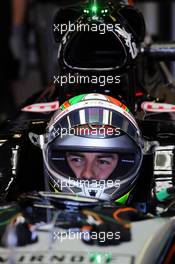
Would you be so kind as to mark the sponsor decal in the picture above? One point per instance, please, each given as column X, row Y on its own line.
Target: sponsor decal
column 45, row 257
column 41, row 107
column 128, row 41
column 157, row 107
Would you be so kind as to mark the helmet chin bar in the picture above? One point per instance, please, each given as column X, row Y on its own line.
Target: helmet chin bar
column 93, row 188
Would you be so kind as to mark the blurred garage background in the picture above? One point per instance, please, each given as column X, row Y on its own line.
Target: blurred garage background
column 28, row 54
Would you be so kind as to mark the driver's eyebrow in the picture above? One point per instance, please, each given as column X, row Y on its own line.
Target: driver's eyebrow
column 105, row 155
column 78, row 154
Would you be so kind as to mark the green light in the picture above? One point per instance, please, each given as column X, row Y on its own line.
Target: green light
column 108, row 257
column 86, row 11
column 94, row 9
column 96, row 258
column 102, row 11
column 106, row 11
column 100, row 258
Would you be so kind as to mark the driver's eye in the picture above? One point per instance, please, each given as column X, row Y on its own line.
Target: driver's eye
column 103, row 162
column 76, row 159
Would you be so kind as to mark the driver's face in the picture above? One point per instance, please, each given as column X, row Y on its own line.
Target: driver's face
column 97, row 166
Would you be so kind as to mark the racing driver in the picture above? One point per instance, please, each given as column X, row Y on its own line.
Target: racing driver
column 92, row 147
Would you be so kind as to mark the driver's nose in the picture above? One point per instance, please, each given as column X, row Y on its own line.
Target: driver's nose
column 88, row 172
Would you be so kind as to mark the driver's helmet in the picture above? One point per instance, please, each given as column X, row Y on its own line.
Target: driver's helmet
column 98, row 131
